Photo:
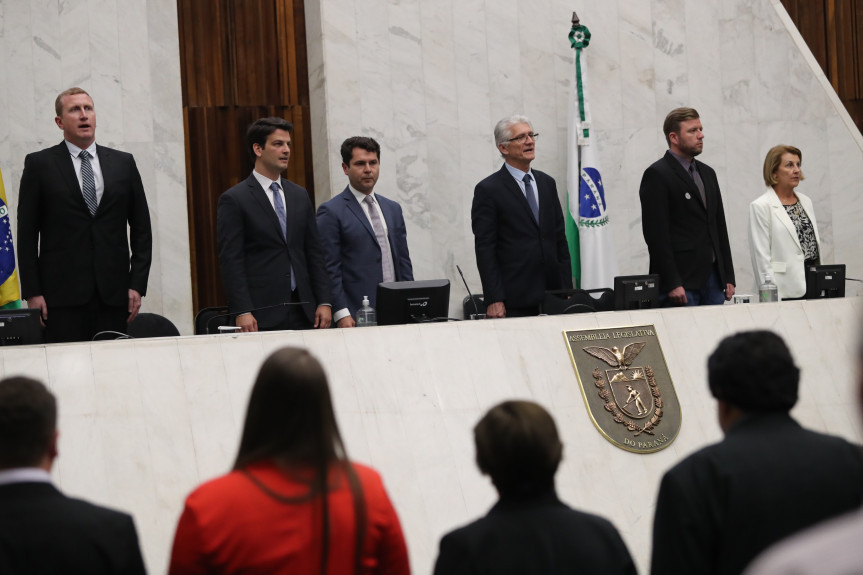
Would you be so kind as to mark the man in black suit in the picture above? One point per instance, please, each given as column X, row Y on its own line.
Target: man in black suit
column 768, row 478
column 529, row 530
column 683, row 220
column 42, row 530
column 269, row 249
column 518, row 227
column 75, row 203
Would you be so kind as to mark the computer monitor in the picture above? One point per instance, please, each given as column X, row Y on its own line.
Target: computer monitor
column 412, row 302
column 20, row 327
column 825, row 281
column 636, row 292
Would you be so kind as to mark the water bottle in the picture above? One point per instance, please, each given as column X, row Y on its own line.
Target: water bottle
column 366, row 314
column 768, row 292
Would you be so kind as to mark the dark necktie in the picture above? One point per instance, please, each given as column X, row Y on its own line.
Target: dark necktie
column 88, row 182
column 698, row 183
column 380, row 234
column 530, row 194
column 279, row 204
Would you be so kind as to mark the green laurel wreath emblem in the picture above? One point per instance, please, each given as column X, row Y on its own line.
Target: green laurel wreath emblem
column 579, row 36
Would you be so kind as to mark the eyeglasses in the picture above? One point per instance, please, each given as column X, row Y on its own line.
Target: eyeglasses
column 521, row 138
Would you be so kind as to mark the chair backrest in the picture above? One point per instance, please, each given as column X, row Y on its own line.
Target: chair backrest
column 558, row 302
column 152, row 325
column 473, row 307
column 209, row 319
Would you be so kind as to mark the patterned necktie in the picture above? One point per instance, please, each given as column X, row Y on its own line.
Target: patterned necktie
column 279, row 204
column 88, row 182
column 377, row 225
column 530, row 194
column 698, row 183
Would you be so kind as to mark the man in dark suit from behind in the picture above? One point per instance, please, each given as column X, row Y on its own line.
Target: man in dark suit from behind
column 41, row 530
column 768, row 478
column 529, row 530
column 269, row 251
column 518, row 227
column 683, row 220
column 76, row 201
column 363, row 234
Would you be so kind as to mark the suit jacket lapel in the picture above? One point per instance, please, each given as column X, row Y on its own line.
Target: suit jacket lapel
column 782, row 215
column 510, row 184
column 710, row 195
column 67, row 171
column 687, row 180
column 357, row 210
column 264, row 205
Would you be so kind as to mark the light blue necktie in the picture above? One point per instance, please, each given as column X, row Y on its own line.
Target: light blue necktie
column 283, row 219
column 88, row 182
column 530, row 194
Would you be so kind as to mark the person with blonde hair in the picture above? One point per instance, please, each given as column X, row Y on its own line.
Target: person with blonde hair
column 293, row 502
column 783, row 235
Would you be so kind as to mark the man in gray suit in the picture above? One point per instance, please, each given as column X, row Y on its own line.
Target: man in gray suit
column 363, row 234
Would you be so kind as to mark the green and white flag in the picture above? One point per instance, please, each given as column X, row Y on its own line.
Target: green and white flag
column 594, row 263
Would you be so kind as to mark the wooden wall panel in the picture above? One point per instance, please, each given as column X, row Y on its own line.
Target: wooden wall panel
column 833, row 30
column 241, row 60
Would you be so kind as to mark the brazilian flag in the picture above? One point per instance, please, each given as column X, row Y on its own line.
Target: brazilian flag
column 10, row 293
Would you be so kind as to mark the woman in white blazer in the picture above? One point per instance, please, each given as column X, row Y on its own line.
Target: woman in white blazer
column 783, row 235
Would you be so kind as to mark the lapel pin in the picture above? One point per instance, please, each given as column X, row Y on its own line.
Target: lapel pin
column 687, row 196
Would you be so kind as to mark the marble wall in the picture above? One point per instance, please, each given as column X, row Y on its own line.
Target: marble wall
column 125, row 53
column 429, row 79
column 142, row 422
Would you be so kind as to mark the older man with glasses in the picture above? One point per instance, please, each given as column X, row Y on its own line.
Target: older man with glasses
column 518, row 228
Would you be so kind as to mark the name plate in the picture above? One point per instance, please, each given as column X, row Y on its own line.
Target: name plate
column 626, row 386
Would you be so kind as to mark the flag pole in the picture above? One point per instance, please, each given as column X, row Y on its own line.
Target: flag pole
column 586, row 200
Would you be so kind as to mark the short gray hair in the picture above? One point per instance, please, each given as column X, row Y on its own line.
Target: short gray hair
column 503, row 129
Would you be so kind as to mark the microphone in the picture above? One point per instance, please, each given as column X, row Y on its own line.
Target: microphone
column 476, row 314
column 262, row 308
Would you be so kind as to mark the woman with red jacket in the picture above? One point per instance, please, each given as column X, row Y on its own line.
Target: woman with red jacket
column 293, row 503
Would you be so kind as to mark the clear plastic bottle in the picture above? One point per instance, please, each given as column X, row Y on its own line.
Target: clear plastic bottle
column 366, row 314
column 767, row 291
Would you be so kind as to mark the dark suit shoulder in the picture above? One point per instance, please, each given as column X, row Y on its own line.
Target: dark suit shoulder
column 111, row 151
column 47, row 153
column 292, row 188
column 81, row 537
column 385, row 200
column 545, row 537
column 495, row 179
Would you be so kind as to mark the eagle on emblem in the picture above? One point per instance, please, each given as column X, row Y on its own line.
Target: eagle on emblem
column 614, row 357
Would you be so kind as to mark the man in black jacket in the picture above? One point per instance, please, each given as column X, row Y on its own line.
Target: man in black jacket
column 42, row 530
column 518, row 228
column 529, row 530
column 768, row 478
column 683, row 220
column 77, row 202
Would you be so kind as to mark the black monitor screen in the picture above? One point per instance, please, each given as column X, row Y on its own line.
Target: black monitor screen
column 825, row 281
column 412, row 302
column 636, row 292
column 20, row 327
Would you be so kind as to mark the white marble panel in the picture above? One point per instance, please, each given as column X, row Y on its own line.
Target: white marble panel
column 845, row 163
column 133, row 72
column 737, row 55
column 126, row 54
column 671, row 78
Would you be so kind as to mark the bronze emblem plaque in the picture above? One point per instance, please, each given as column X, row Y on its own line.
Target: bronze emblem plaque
column 626, row 386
